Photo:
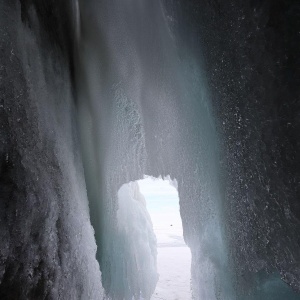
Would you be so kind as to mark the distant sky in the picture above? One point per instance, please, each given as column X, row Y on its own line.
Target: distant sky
column 174, row 257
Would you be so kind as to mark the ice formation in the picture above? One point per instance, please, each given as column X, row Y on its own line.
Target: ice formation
column 95, row 94
column 134, row 253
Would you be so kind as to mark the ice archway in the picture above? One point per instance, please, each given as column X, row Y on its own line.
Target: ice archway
column 149, row 235
column 173, row 255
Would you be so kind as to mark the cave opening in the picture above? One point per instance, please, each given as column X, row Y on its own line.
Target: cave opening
column 149, row 213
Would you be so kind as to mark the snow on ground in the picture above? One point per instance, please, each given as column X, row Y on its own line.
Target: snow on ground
column 173, row 266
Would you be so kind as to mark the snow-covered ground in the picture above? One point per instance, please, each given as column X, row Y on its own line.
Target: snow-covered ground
column 173, row 266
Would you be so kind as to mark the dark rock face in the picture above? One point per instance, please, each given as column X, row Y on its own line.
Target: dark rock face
column 250, row 51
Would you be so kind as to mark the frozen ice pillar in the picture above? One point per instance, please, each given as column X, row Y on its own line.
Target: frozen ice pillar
column 135, row 247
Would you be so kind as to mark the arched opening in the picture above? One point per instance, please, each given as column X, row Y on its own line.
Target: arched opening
column 150, row 222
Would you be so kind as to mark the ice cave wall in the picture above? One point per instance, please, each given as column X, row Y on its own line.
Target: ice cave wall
column 143, row 110
column 47, row 246
column 204, row 103
column 250, row 62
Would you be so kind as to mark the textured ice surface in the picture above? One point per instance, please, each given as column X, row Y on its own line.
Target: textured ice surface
column 169, row 92
column 156, row 121
column 135, row 250
column 250, row 51
column 47, row 246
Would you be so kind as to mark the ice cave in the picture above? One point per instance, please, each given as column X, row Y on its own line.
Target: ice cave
column 107, row 104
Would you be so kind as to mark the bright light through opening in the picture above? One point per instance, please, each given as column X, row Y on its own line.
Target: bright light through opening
column 174, row 257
